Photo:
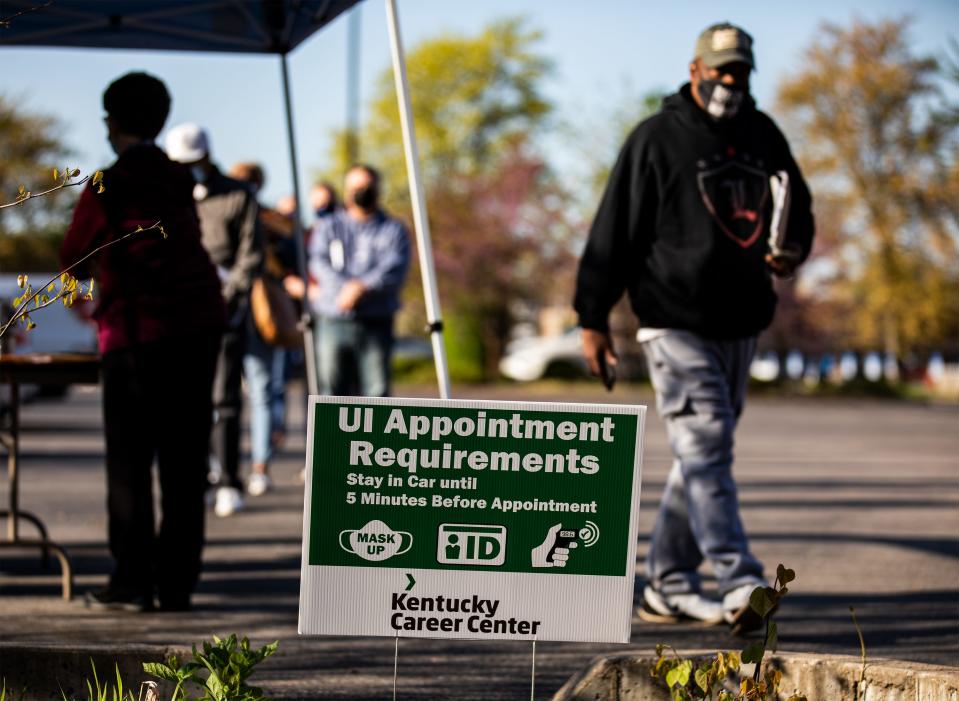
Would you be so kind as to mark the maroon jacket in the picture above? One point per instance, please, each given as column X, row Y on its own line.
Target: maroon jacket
column 150, row 288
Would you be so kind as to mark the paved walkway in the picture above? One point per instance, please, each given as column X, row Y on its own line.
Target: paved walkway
column 861, row 498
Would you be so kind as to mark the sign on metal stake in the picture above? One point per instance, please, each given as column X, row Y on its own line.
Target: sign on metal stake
column 470, row 519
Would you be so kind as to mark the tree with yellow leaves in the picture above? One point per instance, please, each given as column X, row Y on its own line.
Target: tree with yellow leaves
column 878, row 138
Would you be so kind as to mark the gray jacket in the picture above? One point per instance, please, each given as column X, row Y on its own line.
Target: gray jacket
column 228, row 222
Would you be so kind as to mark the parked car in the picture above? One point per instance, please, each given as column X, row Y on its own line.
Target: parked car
column 765, row 367
column 412, row 348
column 536, row 357
column 561, row 356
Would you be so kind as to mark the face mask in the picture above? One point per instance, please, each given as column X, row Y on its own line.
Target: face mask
column 199, row 173
column 322, row 211
column 721, row 101
column 365, row 198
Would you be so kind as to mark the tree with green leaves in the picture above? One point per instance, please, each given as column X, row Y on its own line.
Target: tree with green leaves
column 879, row 138
column 471, row 95
column 497, row 214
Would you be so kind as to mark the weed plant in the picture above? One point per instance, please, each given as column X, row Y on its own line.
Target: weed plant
column 217, row 673
column 106, row 692
column 226, row 664
column 710, row 680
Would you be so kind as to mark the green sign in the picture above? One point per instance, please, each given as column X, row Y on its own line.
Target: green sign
column 480, row 491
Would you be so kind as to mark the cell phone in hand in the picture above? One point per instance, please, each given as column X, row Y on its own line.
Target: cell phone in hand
column 564, row 539
column 607, row 373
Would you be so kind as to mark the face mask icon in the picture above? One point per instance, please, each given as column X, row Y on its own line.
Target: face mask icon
column 376, row 541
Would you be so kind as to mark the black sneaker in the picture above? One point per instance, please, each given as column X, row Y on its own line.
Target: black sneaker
column 118, row 600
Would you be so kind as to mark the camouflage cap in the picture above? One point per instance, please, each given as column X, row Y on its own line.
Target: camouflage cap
column 724, row 43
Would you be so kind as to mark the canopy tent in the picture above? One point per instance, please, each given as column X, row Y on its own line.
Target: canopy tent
column 245, row 26
column 241, row 26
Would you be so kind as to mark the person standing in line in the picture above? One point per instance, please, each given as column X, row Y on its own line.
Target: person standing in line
column 264, row 366
column 359, row 257
column 683, row 227
column 228, row 220
column 323, row 199
column 159, row 315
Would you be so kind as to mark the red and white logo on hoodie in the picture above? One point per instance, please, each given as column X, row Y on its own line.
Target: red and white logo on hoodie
column 735, row 194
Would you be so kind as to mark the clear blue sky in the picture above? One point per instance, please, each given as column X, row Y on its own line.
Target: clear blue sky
column 602, row 50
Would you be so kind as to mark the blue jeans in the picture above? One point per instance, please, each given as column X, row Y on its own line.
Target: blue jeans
column 264, row 370
column 279, row 374
column 353, row 356
column 700, row 388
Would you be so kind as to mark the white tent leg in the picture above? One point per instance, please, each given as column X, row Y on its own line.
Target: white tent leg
column 420, row 219
column 308, row 322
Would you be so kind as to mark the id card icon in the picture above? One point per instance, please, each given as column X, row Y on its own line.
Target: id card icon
column 471, row 544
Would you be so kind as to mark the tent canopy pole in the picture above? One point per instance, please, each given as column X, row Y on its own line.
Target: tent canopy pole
column 307, row 321
column 420, row 218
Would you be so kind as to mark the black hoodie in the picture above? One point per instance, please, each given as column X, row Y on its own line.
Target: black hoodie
column 684, row 222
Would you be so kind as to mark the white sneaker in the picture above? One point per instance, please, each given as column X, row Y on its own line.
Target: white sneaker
column 738, row 613
column 676, row 608
column 229, row 500
column 258, row 484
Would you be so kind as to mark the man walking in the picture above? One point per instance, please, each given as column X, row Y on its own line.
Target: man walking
column 683, row 227
column 359, row 256
column 228, row 220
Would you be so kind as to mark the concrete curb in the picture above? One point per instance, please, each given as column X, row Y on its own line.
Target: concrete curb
column 39, row 671
column 820, row 677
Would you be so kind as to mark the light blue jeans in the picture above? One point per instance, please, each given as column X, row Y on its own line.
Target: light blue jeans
column 700, row 388
column 265, row 372
column 353, row 356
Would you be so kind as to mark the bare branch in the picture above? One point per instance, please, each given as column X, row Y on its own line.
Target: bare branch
column 32, row 195
column 22, row 309
column 5, row 21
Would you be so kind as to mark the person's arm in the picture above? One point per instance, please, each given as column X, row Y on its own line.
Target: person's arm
column 249, row 252
column 86, row 232
column 600, row 354
column 610, row 253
